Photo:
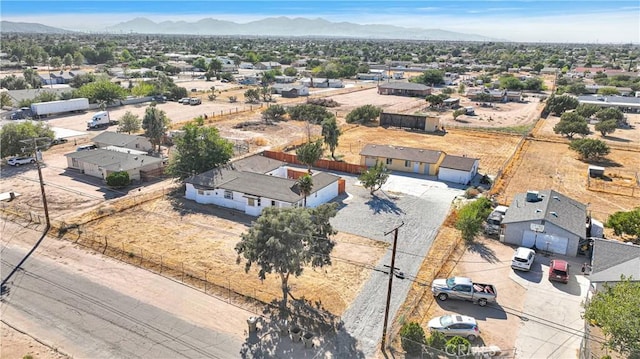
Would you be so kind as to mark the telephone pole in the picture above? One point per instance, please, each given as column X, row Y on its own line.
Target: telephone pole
column 391, row 274
column 38, row 156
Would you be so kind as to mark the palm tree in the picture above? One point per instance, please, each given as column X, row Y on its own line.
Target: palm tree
column 305, row 184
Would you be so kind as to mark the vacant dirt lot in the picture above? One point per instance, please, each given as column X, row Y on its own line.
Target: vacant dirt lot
column 202, row 238
column 544, row 164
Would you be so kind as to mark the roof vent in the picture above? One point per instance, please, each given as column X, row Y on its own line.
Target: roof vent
column 556, row 198
column 555, row 214
column 533, row 196
column 538, row 210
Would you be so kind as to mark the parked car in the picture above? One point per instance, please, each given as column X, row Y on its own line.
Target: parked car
column 86, row 148
column 559, row 271
column 195, row 101
column 463, row 289
column 59, row 141
column 184, row 101
column 455, row 325
column 18, row 161
column 523, row 258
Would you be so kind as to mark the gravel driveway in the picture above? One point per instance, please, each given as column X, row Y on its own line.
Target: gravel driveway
column 422, row 204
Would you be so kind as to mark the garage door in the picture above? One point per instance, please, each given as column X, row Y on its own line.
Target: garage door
column 545, row 242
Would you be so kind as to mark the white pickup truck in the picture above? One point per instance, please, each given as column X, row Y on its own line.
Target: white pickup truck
column 463, row 289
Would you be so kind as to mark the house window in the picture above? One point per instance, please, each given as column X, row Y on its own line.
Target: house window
column 407, row 163
column 74, row 162
column 273, row 203
column 253, row 202
column 137, row 145
column 201, row 192
column 228, row 195
column 389, row 161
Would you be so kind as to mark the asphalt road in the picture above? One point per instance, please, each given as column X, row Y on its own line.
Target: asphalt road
column 422, row 205
column 96, row 308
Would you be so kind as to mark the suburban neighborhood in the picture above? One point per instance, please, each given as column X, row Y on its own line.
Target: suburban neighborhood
column 223, row 197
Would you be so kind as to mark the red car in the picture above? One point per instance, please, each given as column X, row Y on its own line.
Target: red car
column 559, row 271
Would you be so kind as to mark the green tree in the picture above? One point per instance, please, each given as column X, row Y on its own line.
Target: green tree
column 509, row 82
column 616, row 310
column 471, row 216
column 309, row 153
column 129, row 123
column 577, row 88
column 560, row 104
column 364, row 114
column 610, row 114
column 273, row 114
column 13, row 133
column 55, row 62
column 143, row 88
column 305, row 184
column 586, row 110
column 313, row 114
column 67, row 60
column 590, row 148
column 155, row 124
column 118, row 179
column 5, row 99
column 290, row 71
column 286, row 240
column 252, row 96
column 430, row 77
column 462, row 89
column 437, row 341
column 458, row 345
column 12, row 82
column 606, row 127
column 197, row 150
column 626, row 223
column 267, row 95
column 102, row 90
column 31, row 77
column 412, row 338
column 331, row 134
column 78, row 58
column 571, row 123
column 448, row 90
column 459, row 112
column 374, row 177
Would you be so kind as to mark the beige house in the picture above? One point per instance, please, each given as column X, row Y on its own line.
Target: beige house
column 403, row 159
column 123, row 140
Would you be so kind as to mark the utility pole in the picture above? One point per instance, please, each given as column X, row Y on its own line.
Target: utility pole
column 391, row 274
column 38, row 156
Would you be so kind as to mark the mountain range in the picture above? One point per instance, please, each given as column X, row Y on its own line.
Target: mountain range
column 272, row 26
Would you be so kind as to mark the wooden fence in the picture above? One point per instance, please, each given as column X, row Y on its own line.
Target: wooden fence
column 322, row 163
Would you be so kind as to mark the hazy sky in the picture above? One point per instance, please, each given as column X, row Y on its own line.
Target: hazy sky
column 590, row 21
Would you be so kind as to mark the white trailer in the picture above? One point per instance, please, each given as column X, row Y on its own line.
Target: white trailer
column 43, row 109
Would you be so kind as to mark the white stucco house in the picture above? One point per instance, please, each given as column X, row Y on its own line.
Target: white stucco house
column 458, row 169
column 547, row 221
column 254, row 183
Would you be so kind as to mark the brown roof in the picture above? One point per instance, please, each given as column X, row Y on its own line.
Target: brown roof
column 458, row 162
column 401, row 153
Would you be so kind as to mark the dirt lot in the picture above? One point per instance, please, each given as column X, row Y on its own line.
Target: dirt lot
column 18, row 345
column 547, row 162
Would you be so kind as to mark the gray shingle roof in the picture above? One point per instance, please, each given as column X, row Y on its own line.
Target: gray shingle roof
column 256, row 163
column 259, row 185
column 612, row 258
column 113, row 160
column 458, row 162
column 404, row 86
column 401, row 153
column 552, row 207
column 115, row 139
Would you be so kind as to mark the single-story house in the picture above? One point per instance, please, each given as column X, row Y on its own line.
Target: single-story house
column 458, row 169
column 371, row 76
column 101, row 162
column 268, row 65
column 610, row 259
column 404, row 89
column 289, row 90
column 623, row 91
column 322, row 82
column 514, row 96
column 453, row 102
column 285, row 79
column 494, row 95
column 246, row 66
column 240, row 187
column 624, row 103
column 404, row 159
column 108, row 138
column 546, row 220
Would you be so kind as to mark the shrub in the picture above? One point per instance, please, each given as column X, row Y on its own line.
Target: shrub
column 437, row 340
column 471, row 192
column 118, row 179
column 412, row 337
column 458, row 346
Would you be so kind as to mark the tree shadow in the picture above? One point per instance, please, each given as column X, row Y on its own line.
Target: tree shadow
column 604, row 162
column 485, row 252
column 378, row 204
column 185, row 207
column 305, row 330
column 616, row 139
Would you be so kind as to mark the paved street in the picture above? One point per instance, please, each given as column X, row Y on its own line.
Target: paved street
column 91, row 307
column 422, row 205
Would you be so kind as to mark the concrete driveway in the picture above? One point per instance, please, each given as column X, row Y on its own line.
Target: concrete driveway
column 551, row 326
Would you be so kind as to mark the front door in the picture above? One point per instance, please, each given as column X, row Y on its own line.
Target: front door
column 416, row 167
